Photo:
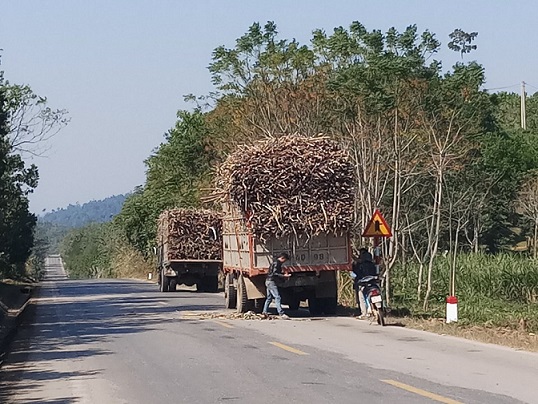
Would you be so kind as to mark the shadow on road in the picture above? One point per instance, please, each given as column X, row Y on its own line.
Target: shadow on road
column 67, row 315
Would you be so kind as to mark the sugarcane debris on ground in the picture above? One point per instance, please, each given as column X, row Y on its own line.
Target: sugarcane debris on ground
column 249, row 315
column 290, row 185
column 191, row 234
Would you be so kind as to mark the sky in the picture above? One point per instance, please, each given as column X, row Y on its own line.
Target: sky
column 121, row 67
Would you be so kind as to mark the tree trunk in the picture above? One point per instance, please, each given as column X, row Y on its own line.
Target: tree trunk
column 435, row 235
column 535, row 238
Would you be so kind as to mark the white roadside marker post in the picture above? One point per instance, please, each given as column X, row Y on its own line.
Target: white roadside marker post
column 451, row 309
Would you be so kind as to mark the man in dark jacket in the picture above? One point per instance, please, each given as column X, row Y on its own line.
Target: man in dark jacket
column 364, row 266
column 273, row 276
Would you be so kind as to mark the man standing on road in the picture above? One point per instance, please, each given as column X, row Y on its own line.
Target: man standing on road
column 273, row 276
column 364, row 267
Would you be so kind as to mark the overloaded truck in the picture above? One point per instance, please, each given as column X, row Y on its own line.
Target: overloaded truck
column 290, row 194
column 313, row 265
column 189, row 249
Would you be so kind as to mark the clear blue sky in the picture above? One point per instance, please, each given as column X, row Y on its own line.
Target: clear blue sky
column 121, row 67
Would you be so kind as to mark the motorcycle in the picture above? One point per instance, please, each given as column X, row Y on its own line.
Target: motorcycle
column 374, row 300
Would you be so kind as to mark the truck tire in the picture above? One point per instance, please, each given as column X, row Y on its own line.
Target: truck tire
column 222, row 280
column 164, row 283
column 230, row 293
column 173, row 285
column 315, row 306
column 243, row 304
column 330, row 305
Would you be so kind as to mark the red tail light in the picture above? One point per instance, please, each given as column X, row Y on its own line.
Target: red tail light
column 374, row 292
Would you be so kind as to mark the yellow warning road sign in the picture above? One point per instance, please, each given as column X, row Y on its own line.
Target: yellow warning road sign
column 377, row 226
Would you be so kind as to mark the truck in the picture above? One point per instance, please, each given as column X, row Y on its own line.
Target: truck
column 314, row 262
column 195, row 234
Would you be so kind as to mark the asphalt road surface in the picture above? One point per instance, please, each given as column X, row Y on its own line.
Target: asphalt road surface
column 115, row 341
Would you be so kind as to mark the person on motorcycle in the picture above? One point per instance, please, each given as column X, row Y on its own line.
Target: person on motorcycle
column 363, row 266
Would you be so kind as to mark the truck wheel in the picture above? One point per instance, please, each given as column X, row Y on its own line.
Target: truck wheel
column 221, row 281
column 243, row 304
column 164, row 285
column 315, row 306
column 230, row 293
column 173, row 285
column 330, row 305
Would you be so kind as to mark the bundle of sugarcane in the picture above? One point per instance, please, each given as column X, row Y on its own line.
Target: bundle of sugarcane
column 191, row 234
column 291, row 185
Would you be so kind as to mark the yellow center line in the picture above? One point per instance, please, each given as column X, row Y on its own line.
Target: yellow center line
column 223, row 324
column 423, row 393
column 288, row 348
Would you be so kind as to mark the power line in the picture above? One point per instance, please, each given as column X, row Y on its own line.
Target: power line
column 501, row 88
column 530, row 85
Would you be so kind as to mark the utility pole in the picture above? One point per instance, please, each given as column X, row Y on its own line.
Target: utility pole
column 523, row 109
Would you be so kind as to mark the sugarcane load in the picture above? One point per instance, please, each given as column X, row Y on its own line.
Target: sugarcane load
column 294, row 195
column 291, row 185
column 189, row 249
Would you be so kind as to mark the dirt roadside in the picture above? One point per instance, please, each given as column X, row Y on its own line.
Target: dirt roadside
column 14, row 298
column 517, row 339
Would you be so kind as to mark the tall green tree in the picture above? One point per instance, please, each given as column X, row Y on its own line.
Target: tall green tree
column 16, row 182
column 177, row 173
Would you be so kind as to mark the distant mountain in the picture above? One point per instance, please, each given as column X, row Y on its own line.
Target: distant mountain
column 91, row 212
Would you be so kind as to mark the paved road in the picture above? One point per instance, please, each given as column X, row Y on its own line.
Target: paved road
column 124, row 342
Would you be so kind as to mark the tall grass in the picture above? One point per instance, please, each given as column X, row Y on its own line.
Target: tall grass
column 498, row 290
column 503, row 277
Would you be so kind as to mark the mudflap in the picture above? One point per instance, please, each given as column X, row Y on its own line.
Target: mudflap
column 255, row 287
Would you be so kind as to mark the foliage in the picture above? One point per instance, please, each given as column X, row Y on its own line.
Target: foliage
column 49, row 236
column 31, row 121
column 16, row 182
column 86, row 253
column 176, row 174
column 26, row 123
column 508, row 111
column 461, row 41
column 99, row 211
column 99, row 250
column 499, row 289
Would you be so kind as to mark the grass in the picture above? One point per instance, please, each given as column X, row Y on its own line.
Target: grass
column 129, row 263
column 497, row 294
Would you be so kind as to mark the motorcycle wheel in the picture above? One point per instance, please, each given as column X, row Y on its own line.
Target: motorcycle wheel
column 380, row 317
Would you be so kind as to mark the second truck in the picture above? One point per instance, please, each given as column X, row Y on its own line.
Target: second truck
column 189, row 249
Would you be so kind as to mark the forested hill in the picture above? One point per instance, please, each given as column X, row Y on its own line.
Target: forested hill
column 91, row 212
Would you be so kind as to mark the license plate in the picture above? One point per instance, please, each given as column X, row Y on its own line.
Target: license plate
column 376, row 299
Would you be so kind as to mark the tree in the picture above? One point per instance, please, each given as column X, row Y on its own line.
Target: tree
column 16, row 182
column 461, row 41
column 31, row 121
column 177, row 173
column 528, row 206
